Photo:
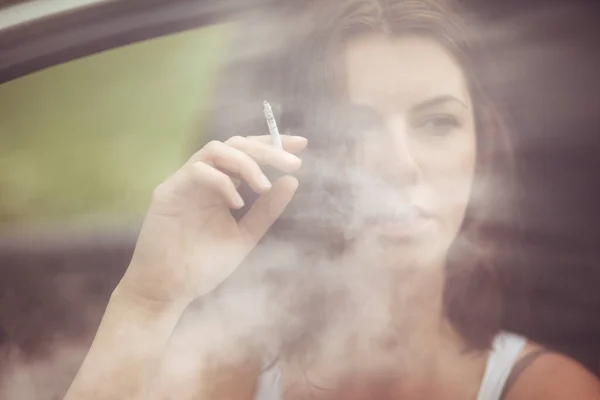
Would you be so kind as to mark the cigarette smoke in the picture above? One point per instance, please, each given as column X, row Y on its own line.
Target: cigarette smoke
column 288, row 294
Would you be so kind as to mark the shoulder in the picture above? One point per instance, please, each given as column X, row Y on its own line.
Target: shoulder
column 553, row 376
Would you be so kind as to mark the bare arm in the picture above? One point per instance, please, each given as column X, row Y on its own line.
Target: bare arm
column 188, row 245
column 555, row 377
column 126, row 351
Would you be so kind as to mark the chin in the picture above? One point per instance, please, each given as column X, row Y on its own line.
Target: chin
column 388, row 251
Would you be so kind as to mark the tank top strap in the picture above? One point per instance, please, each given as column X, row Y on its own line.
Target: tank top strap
column 270, row 385
column 505, row 353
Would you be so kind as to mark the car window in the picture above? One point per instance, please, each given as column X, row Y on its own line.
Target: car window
column 87, row 140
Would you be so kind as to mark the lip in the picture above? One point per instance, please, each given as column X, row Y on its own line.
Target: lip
column 414, row 224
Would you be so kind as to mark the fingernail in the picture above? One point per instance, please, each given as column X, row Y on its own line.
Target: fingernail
column 237, row 200
column 292, row 159
column 264, row 182
column 299, row 138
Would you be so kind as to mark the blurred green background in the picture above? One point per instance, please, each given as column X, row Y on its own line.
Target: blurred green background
column 87, row 141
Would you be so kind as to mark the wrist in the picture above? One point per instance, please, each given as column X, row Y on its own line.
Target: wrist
column 130, row 301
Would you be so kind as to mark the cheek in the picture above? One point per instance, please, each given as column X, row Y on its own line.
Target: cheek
column 449, row 171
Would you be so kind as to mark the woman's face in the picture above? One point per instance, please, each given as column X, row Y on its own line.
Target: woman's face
column 423, row 152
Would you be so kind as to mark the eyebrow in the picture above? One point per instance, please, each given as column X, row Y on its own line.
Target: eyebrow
column 439, row 100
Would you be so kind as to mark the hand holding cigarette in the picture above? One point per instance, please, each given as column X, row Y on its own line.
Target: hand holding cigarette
column 190, row 222
column 189, row 243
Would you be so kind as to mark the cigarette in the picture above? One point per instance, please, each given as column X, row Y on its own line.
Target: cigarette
column 272, row 125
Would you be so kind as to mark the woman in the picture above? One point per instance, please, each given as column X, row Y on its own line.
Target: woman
column 414, row 162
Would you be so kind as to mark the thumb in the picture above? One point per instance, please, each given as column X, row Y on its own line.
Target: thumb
column 267, row 208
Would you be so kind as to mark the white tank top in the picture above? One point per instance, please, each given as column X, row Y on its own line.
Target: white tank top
column 505, row 353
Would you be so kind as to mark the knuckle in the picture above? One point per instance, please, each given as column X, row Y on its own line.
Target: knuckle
column 211, row 178
column 200, row 172
column 213, row 145
column 262, row 156
column 216, row 179
column 236, row 140
column 250, row 168
column 160, row 192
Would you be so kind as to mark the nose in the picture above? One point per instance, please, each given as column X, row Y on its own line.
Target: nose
column 394, row 157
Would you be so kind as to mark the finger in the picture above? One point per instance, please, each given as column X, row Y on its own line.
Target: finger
column 267, row 209
column 292, row 144
column 237, row 182
column 211, row 178
column 236, row 162
column 265, row 154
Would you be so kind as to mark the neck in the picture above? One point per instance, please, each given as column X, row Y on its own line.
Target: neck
column 435, row 349
column 395, row 322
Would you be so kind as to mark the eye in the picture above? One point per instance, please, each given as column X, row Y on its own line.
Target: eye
column 440, row 124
